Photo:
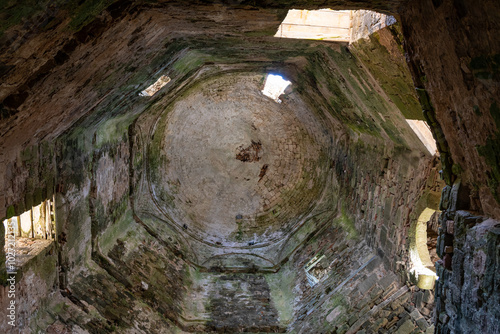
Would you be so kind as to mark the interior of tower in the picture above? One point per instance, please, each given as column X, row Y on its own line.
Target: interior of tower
column 250, row 166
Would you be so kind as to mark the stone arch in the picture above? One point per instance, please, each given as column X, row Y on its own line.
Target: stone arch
column 422, row 268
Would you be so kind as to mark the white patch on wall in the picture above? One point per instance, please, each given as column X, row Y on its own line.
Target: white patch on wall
column 275, row 86
column 154, row 88
column 332, row 25
column 423, row 133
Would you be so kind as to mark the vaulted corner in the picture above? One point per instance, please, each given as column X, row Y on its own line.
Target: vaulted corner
column 249, row 167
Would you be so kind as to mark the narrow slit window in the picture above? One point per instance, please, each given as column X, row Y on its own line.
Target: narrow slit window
column 154, row 88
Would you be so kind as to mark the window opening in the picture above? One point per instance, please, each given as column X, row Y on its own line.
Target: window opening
column 316, row 269
column 154, row 88
column 29, row 233
column 422, row 266
column 275, row 86
column 423, row 132
column 332, row 25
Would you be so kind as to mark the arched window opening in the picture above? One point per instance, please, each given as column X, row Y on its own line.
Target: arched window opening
column 422, row 265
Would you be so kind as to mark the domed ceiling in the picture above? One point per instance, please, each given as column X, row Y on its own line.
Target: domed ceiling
column 234, row 171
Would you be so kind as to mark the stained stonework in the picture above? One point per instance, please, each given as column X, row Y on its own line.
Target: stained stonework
column 199, row 183
column 199, row 208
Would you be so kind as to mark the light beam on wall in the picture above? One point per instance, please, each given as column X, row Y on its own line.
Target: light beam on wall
column 423, row 133
column 275, row 86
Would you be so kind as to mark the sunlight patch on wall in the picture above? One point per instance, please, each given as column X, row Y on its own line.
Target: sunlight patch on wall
column 423, row 133
column 154, row 88
column 275, row 86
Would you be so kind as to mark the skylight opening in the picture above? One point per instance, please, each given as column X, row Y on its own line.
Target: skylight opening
column 332, row 25
column 275, row 86
column 154, row 88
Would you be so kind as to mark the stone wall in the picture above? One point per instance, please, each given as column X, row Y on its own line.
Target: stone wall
column 466, row 293
column 370, row 286
column 452, row 56
column 114, row 272
column 34, row 281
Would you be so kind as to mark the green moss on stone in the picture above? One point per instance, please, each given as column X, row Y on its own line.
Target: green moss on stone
column 391, row 72
column 477, row 111
column 84, row 12
column 11, row 212
column 347, row 223
column 486, row 67
column 281, row 286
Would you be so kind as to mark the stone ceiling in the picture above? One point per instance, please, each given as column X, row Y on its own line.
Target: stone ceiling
column 198, row 209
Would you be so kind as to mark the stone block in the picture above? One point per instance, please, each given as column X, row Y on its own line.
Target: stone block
column 353, row 319
column 428, row 297
column 443, row 318
column 419, row 299
column 422, row 324
column 440, row 245
column 445, row 198
column 425, row 312
column 379, row 324
column 430, row 330
column 368, row 283
column 387, row 280
column 406, row 328
column 375, row 293
column 450, row 227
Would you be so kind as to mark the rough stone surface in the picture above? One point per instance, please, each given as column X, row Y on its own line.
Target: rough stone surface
column 73, row 125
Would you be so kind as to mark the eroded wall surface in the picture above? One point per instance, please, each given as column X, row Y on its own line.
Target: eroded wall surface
column 456, row 74
column 121, row 270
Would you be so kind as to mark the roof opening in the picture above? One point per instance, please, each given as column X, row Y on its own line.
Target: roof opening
column 332, row 25
column 275, row 86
